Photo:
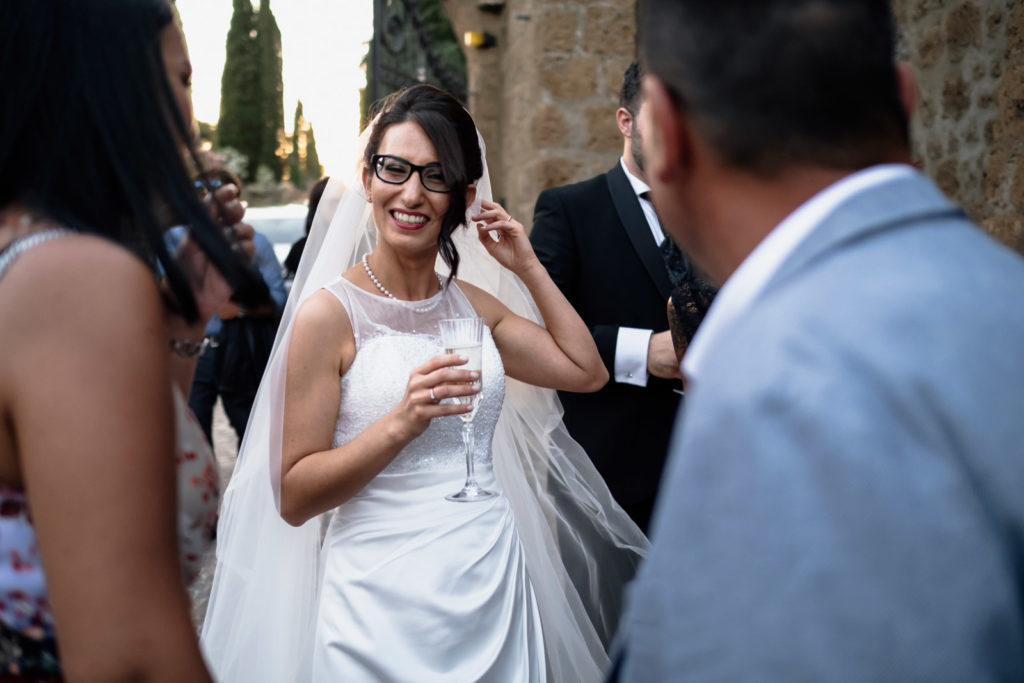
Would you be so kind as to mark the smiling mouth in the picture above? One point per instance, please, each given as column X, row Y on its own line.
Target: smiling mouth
column 409, row 221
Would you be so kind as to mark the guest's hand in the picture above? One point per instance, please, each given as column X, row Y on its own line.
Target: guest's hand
column 661, row 357
column 512, row 249
column 209, row 287
column 227, row 210
column 437, row 379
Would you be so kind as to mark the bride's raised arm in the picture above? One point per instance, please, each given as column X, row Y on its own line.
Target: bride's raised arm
column 562, row 355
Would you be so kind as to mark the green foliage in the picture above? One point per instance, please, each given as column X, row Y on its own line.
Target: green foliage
column 251, row 104
column 295, row 166
column 313, row 168
column 207, row 133
column 241, row 116
column 442, row 36
column 414, row 42
column 271, row 90
column 303, row 161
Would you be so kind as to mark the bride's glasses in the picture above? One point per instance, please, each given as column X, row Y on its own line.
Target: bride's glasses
column 396, row 170
column 464, row 336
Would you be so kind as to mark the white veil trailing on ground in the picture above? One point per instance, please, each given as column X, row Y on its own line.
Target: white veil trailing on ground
column 580, row 547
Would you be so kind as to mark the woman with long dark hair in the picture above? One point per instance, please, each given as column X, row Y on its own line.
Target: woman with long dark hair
column 92, row 132
column 358, row 420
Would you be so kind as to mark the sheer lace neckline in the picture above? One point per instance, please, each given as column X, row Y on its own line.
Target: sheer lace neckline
column 406, row 303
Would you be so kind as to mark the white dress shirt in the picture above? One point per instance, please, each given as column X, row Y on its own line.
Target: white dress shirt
column 749, row 280
column 631, row 343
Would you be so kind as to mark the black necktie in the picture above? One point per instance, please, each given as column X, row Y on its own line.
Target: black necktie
column 676, row 264
column 692, row 294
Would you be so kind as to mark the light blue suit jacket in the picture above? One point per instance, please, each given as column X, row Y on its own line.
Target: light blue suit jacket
column 844, row 499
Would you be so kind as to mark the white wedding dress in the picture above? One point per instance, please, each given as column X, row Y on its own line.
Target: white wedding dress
column 415, row 587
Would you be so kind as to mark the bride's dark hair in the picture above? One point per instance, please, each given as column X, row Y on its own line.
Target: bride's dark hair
column 453, row 133
column 90, row 133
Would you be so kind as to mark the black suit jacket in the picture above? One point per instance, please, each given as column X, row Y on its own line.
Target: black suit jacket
column 594, row 240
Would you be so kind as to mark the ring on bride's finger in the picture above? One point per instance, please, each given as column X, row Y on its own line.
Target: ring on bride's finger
column 433, row 399
column 509, row 218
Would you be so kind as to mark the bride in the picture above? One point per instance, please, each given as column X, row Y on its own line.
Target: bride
column 352, row 422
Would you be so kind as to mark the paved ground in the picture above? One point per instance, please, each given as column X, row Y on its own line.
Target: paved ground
column 225, row 447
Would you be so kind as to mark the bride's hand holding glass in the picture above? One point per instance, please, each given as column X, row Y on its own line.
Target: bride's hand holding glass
column 429, row 384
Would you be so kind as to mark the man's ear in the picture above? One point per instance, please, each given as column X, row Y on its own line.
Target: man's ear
column 907, row 84
column 625, row 121
column 665, row 133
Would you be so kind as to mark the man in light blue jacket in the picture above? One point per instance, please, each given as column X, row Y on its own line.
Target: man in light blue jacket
column 844, row 499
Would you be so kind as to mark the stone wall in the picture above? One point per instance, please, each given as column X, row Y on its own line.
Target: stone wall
column 968, row 130
column 546, row 94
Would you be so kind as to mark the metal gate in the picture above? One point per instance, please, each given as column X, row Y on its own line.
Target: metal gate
column 404, row 52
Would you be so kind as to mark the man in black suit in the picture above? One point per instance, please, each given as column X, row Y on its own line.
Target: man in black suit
column 602, row 244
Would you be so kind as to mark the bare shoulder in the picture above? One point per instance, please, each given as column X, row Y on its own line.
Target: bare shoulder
column 323, row 312
column 79, row 265
column 322, row 329
column 81, row 280
column 484, row 302
column 486, row 305
column 83, row 313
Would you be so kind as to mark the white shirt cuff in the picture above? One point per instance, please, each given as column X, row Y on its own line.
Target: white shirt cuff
column 631, row 355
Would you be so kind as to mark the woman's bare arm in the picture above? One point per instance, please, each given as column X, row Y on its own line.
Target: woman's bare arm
column 560, row 355
column 91, row 408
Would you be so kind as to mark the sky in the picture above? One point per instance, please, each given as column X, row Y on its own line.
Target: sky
column 323, row 43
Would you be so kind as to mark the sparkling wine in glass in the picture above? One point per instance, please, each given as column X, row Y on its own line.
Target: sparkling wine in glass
column 464, row 336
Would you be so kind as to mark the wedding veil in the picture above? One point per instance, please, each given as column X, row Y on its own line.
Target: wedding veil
column 580, row 547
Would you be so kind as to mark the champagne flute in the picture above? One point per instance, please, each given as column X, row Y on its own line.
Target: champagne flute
column 464, row 336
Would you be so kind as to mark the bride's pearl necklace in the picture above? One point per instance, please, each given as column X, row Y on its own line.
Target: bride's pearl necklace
column 385, row 292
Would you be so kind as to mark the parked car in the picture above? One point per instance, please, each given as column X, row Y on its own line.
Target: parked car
column 282, row 225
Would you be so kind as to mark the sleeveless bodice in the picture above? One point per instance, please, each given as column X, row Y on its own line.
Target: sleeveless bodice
column 392, row 339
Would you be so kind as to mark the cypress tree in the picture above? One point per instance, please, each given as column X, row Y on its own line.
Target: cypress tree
column 271, row 90
column 295, row 165
column 313, row 168
column 240, row 125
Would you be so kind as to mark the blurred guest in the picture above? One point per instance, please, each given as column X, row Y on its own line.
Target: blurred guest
column 291, row 262
column 87, row 443
column 843, row 498
column 603, row 245
column 240, row 338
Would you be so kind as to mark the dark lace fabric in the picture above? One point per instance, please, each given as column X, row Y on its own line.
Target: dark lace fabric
column 692, row 295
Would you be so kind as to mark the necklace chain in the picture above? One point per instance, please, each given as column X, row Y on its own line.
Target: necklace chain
column 388, row 294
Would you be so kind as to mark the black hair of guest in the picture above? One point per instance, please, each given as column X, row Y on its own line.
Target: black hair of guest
column 91, row 135
column 453, row 133
column 773, row 84
column 315, row 193
column 632, row 93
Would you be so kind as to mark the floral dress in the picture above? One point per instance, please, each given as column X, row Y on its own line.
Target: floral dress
column 27, row 645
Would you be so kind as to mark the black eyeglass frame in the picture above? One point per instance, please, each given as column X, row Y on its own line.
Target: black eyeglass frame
column 379, row 158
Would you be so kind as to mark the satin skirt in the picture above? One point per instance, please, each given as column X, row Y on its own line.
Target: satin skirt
column 417, row 588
